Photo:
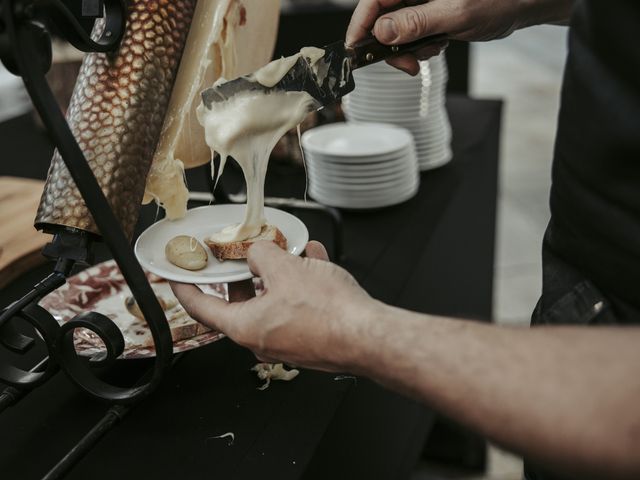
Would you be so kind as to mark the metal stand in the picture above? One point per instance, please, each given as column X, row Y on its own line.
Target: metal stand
column 25, row 49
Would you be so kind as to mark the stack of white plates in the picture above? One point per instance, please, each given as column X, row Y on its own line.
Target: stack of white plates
column 385, row 94
column 366, row 165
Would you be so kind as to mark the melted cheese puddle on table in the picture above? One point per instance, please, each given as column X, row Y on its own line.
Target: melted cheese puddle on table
column 247, row 127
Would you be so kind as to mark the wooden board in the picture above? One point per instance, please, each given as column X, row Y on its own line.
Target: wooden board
column 20, row 242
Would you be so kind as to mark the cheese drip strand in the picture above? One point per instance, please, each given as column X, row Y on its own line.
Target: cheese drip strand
column 247, row 127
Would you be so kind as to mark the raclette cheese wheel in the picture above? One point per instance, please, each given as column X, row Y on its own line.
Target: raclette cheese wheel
column 228, row 38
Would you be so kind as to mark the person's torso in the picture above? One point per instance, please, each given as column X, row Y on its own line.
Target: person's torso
column 595, row 197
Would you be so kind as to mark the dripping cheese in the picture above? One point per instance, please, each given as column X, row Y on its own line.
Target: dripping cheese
column 227, row 38
column 246, row 127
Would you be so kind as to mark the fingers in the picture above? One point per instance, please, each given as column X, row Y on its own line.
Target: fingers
column 364, row 17
column 207, row 309
column 265, row 257
column 316, row 250
column 432, row 50
column 409, row 63
column 264, row 359
column 414, row 22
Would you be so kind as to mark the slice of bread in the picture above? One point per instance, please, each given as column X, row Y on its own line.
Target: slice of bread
column 237, row 250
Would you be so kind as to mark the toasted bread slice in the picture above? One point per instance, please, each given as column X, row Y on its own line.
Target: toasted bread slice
column 237, row 250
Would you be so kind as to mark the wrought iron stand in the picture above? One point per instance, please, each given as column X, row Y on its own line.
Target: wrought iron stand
column 25, row 49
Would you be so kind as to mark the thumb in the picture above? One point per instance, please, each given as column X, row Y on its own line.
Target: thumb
column 316, row 250
column 412, row 23
column 264, row 258
column 212, row 311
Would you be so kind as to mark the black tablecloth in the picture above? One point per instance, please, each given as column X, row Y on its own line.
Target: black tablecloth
column 432, row 254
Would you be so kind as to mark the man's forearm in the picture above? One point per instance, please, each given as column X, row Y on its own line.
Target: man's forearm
column 566, row 397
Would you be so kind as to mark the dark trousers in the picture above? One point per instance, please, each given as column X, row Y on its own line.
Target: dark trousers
column 569, row 298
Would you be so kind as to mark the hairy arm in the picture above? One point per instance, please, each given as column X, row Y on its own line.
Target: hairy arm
column 566, row 397
column 396, row 22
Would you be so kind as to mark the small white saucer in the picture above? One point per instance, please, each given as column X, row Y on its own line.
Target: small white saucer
column 201, row 223
column 356, row 140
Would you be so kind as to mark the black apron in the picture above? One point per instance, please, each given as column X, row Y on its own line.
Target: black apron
column 591, row 250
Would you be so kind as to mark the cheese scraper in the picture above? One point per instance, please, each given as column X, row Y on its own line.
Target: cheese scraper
column 327, row 79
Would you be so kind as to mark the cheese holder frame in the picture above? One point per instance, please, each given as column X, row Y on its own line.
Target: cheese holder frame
column 80, row 203
column 78, row 208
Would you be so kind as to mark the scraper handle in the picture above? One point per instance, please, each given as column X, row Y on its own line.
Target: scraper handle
column 369, row 50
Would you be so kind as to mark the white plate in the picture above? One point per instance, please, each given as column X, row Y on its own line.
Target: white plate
column 372, row 104
column 384, row 184
column 383, row 169
column 372, row 193
column 392, row 86
column 404, row 96
column 373, row 168
column 435, row 164
column 427, row 155
column 430, row 138
column 436, row 150
column 413, row 125
column 345, row 139
column 320, row 158
column 429, row 141
column 366, row 169
column 406, row 171
column 382, row 100
column 398, row 82
column 414, row 116
column 200, row 223
column 363, row 177
column 366, row 203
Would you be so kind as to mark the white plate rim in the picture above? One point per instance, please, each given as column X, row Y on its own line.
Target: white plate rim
column 197, row 277
column 308, row 136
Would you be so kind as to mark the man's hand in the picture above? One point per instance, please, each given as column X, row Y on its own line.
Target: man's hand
column 395, row 22
column 518, row 387
column 308, row 314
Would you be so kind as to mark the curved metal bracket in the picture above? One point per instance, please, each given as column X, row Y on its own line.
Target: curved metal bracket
column 113, row 17
column 48, row 329
column 27, row 52
column 35, row 15
column 80, row 369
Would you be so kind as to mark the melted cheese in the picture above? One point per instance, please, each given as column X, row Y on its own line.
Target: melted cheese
column 221, row 43
column 165, row 181
column 273, row 72
column 246, row 127
column 273, row 371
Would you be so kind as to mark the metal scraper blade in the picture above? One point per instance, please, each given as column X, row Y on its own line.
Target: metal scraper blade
column 327, row 80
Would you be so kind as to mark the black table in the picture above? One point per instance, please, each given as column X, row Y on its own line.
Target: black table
column 432, row 254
